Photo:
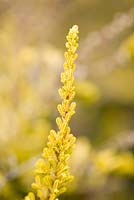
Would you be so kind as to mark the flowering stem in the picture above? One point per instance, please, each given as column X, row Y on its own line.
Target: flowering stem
column 52, row 171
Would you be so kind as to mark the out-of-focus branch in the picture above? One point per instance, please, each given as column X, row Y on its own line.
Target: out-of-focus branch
column 97, row 39
column 103, row 66
column 17, row 171
column 109, row 63
column 123, row 141
column 106, row 34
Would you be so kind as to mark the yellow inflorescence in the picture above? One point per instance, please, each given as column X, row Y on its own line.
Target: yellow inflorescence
column 52, row 171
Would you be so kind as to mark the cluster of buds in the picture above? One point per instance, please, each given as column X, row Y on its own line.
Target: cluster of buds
column 52, row 171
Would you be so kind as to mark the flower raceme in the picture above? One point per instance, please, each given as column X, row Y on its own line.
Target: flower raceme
column 52, row 171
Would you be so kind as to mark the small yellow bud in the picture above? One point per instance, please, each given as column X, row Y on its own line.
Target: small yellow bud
column 30, row 196
column 75, row 28
column 59, row 122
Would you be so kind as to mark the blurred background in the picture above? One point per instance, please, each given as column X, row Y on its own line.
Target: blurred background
column 32, row 38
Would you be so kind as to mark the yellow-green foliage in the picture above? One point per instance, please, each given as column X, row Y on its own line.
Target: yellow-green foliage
column 52, row 171
column 129, row 45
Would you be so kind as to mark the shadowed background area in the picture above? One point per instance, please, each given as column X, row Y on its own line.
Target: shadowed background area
column 32, row 38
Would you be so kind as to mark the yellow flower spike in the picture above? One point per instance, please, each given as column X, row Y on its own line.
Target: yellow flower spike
column 52, row 171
